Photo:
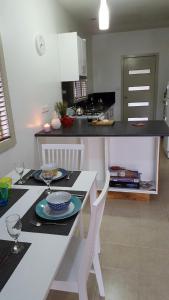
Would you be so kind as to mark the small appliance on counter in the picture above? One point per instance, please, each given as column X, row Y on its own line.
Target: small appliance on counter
column 79, row 111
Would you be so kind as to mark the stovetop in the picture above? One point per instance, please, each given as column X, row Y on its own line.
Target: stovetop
column 89, row 111
column 90, row 116
column 92, row 111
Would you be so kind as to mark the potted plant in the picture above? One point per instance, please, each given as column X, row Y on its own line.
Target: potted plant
column 61, row 108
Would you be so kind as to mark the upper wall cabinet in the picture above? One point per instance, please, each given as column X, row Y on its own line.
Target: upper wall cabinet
column 72, row 56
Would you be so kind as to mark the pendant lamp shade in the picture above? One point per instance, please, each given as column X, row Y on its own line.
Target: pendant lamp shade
column 103, row 15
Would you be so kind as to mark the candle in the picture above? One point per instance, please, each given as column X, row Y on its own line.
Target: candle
column 46, row 127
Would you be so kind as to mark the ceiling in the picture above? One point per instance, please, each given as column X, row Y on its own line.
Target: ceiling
column 125, row 15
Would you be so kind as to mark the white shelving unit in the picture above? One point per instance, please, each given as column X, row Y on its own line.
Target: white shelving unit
column 135, row 153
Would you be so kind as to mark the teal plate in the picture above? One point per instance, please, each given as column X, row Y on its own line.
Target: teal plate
column 41, row 210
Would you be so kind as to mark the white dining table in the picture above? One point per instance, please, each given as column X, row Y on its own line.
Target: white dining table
column 33, row 276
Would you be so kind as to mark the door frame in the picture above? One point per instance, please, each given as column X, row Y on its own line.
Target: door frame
column 156, row 79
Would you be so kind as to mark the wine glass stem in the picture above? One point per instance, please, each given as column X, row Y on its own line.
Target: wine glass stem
column 16, row 246
column 48, row 189
column 20, row 178
column 16, row 243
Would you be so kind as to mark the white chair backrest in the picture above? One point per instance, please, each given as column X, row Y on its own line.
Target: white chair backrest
column 66, row 156
column 97, row 210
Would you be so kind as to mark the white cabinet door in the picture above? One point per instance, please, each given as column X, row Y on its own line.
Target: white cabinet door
column 72, row 56
column 80, row 55
column 68, row 53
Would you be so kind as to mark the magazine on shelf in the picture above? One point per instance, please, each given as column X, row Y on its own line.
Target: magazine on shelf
column 124, row 179
column 130, row 185
column 119, row 172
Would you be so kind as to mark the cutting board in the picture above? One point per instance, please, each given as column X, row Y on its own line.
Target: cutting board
column 104, row 122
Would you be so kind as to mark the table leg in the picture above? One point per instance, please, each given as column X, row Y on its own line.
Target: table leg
column 81, row 226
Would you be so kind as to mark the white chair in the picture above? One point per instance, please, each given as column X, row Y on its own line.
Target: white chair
column 66, row 156
column 82, row 254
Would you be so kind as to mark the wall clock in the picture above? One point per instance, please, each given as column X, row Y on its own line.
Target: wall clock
column 40, row 44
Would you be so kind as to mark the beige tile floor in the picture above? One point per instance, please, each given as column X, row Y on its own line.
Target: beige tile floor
column 135, row 248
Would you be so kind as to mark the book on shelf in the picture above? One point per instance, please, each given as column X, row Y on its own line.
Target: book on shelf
column 119, row 172
column 130, row 185
column 125, row 179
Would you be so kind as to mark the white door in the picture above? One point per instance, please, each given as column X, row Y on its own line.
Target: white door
column 139, row 88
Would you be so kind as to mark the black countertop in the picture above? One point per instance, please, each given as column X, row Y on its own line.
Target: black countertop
column 82, row 128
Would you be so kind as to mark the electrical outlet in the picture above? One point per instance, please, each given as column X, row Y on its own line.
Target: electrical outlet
column 45, row 109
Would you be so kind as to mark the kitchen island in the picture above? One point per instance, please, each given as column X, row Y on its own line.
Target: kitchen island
column 132, row 145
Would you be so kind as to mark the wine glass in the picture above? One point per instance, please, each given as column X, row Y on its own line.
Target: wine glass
column 19, row 168
column 14, row 226
column 47, row 175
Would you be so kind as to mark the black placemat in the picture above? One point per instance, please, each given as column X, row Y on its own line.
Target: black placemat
column 50, row 229
column 60, row 182
column 8, row 260
column 14, row 196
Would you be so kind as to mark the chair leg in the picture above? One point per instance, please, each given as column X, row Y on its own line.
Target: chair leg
column 98, row 244
column 83, row 292
column 97, row 269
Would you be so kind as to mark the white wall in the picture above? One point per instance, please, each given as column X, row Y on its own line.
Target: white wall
column 33, row 80
column 89, row 63
column 108, row 49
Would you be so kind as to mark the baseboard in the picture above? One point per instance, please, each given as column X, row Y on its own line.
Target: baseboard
column 128, row 196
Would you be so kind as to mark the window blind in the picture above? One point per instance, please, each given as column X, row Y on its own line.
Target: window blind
column 7, row 131
column 80, row 89
column 4, row 125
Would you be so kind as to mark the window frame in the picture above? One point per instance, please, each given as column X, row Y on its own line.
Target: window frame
column 78, row 86
column 11, row 141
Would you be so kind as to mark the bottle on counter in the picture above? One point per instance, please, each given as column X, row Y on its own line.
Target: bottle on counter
column 79, row 111
column 55, row 122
